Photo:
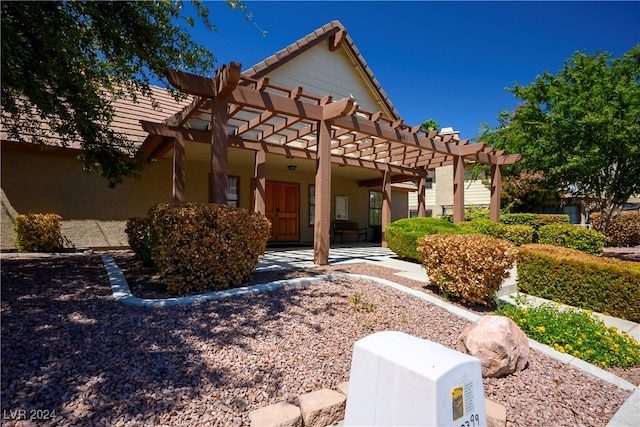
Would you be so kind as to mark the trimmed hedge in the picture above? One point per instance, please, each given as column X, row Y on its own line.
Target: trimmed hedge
column 35, row 232
column 571, row 236
column 624, row 230
column 402, row 235
column 571, row 277
column 471, row 267
column 516, row 234
column 201, row 246
column 534, row 220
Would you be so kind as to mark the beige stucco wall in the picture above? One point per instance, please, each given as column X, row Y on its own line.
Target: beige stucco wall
column 95, row 215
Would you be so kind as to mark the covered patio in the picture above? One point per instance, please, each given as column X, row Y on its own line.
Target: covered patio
column 232, row 110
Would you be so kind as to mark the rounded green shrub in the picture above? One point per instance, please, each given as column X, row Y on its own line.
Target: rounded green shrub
column 572, row 236
column 534, row 221
column 516, row 234
column 402, row 235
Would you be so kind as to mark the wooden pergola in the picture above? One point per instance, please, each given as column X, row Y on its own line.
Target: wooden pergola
column 230, row 110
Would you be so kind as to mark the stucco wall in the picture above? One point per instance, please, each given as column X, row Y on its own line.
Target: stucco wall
column 95, row 215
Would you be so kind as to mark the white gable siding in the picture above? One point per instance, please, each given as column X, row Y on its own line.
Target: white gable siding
column 322, row 72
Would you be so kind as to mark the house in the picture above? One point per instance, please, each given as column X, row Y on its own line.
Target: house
column 307, row 137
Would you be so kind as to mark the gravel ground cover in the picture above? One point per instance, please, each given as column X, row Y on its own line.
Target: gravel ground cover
column 71, row 355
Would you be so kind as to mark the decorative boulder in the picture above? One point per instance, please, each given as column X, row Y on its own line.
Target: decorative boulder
column 498, row 342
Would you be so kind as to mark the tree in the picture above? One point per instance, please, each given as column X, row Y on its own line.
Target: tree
column 430, row 125
column 64, row 62
column 581, row 128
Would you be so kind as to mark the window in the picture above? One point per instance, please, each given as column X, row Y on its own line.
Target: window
column 312, row 204
column 233, row 193
column 375, row 208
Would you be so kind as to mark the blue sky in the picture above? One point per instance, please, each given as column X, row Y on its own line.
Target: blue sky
column 450, row 61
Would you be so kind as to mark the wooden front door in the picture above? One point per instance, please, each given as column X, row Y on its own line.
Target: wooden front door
column 283, row 210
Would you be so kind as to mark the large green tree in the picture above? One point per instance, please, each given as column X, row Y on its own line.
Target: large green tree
column 64, row 62
column 581, row 128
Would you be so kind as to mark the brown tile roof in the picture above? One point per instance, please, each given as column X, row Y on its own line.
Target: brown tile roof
column 323, row 33
column 127, row 116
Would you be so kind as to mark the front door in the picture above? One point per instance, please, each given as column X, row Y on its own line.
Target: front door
column 283, row 210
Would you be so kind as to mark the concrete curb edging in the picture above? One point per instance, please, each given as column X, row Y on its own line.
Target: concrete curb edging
column 625, row 416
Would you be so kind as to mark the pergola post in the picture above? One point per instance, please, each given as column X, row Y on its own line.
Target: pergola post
column 386, row 204
column 219, row 148
column 321, row 233
column 458, row 189
column 178, row 169
column 260, row 192
column 496, row 190
column 422, row 186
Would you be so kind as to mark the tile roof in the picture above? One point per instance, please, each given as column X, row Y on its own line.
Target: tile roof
column 127, row 116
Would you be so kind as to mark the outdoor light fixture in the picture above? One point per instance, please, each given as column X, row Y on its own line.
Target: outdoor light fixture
column 292, row 167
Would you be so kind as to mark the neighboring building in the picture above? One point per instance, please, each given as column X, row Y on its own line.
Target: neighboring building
column 439, row 194
column 270, row 162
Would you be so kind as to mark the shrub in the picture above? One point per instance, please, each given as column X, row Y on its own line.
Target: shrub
column 575, row 332
column 35, row 232
column 139, row 236
column 516, row 234
column 471, row 267
column 402, row 235
column 571, row 277
column 534, row 220
column 624, row 230
column 474, row 213
column 198, row 246
column 571, row 236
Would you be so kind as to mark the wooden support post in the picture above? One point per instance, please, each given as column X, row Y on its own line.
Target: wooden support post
column 386, row 203
column 178, row 170
column 458, row 189
column 321, row 232
column 219, row 148
column 422, row 187
column 260, row 192
column 496, row 190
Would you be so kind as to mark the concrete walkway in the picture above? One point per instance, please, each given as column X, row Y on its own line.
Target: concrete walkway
column 296, row 258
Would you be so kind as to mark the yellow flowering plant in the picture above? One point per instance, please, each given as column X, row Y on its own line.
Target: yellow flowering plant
column 575, row 332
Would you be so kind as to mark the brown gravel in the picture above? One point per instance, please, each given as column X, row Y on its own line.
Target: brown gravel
column 69, row 348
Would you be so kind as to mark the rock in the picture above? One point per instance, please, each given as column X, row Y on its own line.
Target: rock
column 496, row 413
column 322, row 407
column 344, row 388
column 498, row 342
column 281, row 414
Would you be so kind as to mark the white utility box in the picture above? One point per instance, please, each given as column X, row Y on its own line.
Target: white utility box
column 401, row 380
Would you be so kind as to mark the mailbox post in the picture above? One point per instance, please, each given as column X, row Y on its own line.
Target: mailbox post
column 398, row 379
